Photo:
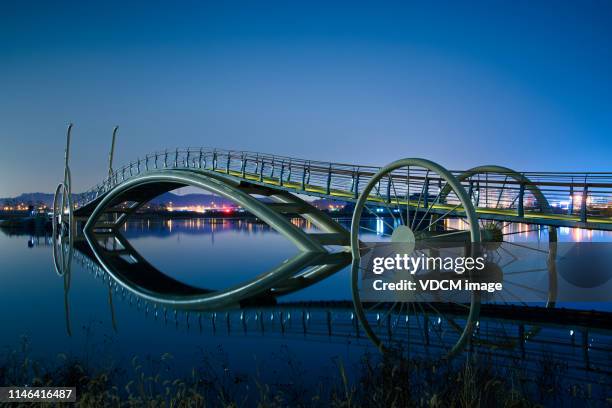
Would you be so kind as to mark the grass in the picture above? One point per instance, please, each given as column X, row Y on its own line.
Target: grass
column 377, row 381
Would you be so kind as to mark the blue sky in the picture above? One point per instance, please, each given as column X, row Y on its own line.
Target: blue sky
column 522, row 84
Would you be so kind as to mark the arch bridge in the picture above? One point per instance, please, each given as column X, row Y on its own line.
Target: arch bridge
column 569, row 199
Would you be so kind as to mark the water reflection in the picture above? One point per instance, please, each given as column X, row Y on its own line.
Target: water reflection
column 132, row 271
column 502, row 336
column 430, row 326
column 317, row 318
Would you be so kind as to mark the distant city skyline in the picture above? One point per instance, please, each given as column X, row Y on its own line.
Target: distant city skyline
column 521, row 84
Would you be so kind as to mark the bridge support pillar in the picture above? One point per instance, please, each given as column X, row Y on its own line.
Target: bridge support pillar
column 521, row 201
column 112, row 152
column 289, row 175
column 261, row 171
column 329, row 178
column 471, row 189
column 583, row 204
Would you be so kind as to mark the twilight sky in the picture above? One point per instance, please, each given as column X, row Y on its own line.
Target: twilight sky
column 526, row 84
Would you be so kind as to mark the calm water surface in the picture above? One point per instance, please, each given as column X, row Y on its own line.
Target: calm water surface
column 203, row 253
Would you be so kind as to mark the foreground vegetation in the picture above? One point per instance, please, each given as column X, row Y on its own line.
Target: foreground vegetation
column 376, row 382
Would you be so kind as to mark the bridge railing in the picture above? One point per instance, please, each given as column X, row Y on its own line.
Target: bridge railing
column 580, row 196
column 577, row 195
column 314, row 176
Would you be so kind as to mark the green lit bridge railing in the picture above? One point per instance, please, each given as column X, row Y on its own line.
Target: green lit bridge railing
column 573, row 199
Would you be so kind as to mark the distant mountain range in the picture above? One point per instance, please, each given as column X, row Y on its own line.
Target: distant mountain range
column 29, row 198
column 176, row 200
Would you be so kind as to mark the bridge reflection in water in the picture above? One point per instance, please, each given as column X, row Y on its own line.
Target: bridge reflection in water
column 582, row 339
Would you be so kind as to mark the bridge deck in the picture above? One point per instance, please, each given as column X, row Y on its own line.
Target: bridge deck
column 575, row 199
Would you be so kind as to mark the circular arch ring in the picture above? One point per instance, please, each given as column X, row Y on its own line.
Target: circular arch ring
column 62, row 224
column 543, row 206
column 505, row 171
column 474, row 232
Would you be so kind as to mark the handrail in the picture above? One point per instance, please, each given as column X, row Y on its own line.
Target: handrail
column 581, row 194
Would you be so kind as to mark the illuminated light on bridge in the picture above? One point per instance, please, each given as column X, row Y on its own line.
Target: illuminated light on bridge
column 577, row 200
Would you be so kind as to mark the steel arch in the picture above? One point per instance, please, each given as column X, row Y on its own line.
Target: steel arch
column 474, row 232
